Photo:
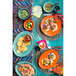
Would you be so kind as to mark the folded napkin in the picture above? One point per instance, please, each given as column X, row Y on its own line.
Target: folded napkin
column 37, row 11
column 58, row 69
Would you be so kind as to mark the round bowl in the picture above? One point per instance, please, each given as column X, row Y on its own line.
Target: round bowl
column 56, row 8
column 20, row 16
column 46, row 10
column 25, row 23
column 25, row 37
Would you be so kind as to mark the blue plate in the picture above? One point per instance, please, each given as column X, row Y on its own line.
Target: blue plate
column 25, row 62
column 30, row 47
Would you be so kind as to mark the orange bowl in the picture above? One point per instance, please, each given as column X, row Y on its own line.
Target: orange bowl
column 50, row 33
column 45, row 55
column 25, row 23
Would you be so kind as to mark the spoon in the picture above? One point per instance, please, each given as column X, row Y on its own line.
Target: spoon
column 53, row 5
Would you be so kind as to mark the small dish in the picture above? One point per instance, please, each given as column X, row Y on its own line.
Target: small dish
column 27, row 38
column 23, row 13
column 56, row 8
column 50, row 8
column 28, row 24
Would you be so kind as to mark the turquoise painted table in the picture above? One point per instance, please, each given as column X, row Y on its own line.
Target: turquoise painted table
column 58, row 42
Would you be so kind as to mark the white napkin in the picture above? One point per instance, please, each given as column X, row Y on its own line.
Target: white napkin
column 37, row 11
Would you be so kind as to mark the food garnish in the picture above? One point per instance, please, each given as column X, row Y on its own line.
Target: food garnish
column 55, row 21
column 50, row 63
column 29, row 24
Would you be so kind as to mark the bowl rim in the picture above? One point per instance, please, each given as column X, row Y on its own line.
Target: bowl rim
column 20, row 11
column 45, row 4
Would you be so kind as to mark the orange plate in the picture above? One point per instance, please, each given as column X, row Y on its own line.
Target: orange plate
column 45, row 55
column 50, row 33
column 25, row 23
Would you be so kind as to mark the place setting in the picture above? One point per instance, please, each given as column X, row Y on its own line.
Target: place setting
column 53, row 31
column 44, row 55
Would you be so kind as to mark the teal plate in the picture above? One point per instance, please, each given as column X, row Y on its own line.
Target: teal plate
column 30, row 47
column 25, row 62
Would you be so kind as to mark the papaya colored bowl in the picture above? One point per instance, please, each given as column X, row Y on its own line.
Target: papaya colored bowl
column 50, row 33
column 45, row 55
column 25, row 23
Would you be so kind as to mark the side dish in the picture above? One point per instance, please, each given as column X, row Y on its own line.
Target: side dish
column 24, row 13
column 27, row 38
column 28, row 24
column 26, row 70
column 48, row 7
